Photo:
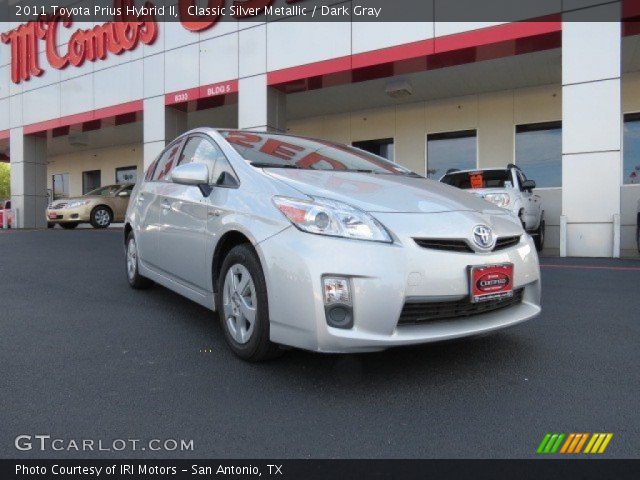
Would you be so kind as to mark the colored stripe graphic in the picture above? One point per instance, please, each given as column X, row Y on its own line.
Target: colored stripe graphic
column 573, row 443
column 550, row 443
column 598, row 443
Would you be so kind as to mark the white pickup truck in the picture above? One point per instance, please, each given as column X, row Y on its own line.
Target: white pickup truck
column 507, row 188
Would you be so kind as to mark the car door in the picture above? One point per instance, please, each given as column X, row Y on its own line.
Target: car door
column 148, row 205
column 120, row 202
column 531, row 203
column 183, row 219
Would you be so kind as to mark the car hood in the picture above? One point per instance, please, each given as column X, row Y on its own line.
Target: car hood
column 75, row 199
column 382, row 192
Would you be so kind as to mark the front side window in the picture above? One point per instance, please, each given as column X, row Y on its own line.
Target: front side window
column 286, row 151
column 632, row 148
column 539, row 152
column 201, row 150
column 126, row 190
column 104, row 191
column 451, row 150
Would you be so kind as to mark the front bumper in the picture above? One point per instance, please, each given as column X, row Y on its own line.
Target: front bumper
column 78, row 214
column 383, row 277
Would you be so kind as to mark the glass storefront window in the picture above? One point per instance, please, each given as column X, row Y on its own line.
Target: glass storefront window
column 382, row 147
column 631, row 168
column 60, row 183
column 539, row 152
column 90, row 180
column 451, row 150
column 126, row 175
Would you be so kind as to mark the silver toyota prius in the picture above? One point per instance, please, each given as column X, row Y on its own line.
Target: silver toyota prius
column 312, row 244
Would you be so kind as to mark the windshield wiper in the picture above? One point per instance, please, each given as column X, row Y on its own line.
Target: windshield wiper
column 273, row 165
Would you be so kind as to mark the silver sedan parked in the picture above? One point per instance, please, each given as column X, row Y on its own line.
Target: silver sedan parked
column 321, row 246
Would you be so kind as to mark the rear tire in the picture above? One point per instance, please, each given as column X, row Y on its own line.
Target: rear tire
column 69, row 225
column 538, row 236
column 638, row 234
column 136, row 280
column 50, row 224
column 101, row 217
column 243, row 307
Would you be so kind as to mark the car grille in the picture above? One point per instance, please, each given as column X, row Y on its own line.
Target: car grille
column 506, row 242
column 444, row 244
column 423, row 312
column 460, row 245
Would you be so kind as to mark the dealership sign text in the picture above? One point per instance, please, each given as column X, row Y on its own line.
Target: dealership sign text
column 132, row 26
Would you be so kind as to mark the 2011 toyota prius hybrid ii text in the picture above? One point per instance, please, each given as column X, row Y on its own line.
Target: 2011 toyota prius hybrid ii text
column 316, row 245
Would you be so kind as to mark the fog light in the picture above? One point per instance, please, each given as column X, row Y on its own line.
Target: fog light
column 337, row 301
column 339, row 316
column 336, row 291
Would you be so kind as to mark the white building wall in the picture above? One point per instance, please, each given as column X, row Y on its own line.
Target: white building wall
column 591, row 135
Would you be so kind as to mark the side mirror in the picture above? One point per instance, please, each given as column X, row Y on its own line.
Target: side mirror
column 528, row 185
column 196, row 174
column 190, row 174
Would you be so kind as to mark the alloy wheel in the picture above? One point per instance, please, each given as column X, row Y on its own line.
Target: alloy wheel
column 132, row 259
column 239, row 303
column 101, row 217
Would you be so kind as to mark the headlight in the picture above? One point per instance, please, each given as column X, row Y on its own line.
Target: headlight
column 499, row 199
column 328, row 217
column 77, row 203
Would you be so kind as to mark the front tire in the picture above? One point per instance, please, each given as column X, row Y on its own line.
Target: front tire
column 50, row 224
column 243, row 307
column 136, row 280
column 638, row 234
column 538, row 236
column 69, row 225
column 101, row 217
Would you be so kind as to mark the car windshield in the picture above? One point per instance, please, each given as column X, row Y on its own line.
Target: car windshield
column 265, row 150
column 479, row 179
column 104, row 191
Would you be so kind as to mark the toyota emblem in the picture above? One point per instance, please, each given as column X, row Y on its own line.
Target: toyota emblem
column 483, row 237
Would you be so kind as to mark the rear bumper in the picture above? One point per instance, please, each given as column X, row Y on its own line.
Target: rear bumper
column 382, row 277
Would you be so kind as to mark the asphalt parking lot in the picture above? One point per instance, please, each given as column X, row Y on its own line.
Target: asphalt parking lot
column 84, row 356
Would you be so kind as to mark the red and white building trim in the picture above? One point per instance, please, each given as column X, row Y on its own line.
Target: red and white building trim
column 256, row 72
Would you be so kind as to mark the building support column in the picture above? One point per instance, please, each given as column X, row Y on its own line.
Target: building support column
column 261, row 107
column 29, row 197
column 591, row 133
column 161, row 125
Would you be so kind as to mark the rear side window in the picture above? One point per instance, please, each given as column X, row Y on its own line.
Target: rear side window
column 166, row 162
